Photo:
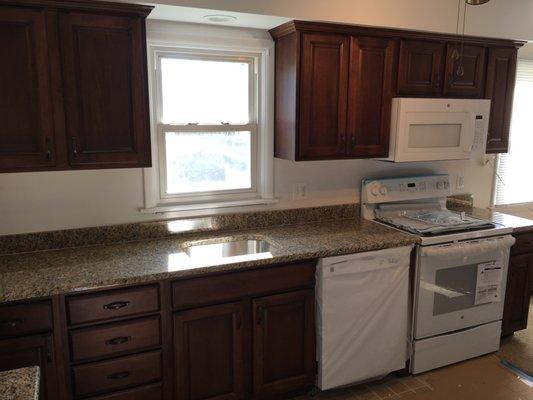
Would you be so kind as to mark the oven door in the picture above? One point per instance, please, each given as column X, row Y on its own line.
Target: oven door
column 460, row 285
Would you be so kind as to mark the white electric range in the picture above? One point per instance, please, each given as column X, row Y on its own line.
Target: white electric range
column 461, row 268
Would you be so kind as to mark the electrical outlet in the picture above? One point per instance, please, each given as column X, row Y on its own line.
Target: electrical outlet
column 459, row 182
column 299, row 191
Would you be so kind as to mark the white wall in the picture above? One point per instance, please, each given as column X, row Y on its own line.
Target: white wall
column 498, row 18
column 59, row 200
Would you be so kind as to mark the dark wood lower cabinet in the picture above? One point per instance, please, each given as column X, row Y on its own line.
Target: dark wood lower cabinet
column 517, row 296
column 283, row 343
column 209, row 353
column 30, row 351
column 228, row 336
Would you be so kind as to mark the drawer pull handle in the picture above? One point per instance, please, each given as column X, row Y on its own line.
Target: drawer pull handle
column 119, row 375
column 118, row 340
column 117, row 305
column 11, row 323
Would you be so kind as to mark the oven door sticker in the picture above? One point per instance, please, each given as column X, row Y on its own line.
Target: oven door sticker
column 489, row 282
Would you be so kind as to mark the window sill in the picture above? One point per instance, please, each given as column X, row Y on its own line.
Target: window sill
column 189, row 209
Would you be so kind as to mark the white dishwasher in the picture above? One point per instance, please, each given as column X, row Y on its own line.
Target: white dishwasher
column 362, row 316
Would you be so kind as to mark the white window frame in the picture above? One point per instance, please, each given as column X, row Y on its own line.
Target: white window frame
column 260, row 55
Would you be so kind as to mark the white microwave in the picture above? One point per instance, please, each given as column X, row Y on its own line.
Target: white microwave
column 437, row 129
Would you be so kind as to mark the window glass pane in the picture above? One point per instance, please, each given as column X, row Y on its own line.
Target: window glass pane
column 205, row 91
column 510, row 187
column 201, row 162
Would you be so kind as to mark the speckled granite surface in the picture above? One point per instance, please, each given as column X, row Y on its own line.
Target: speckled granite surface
column 519, row 225
column 159, row 229
column 37, row 274
column 20, row 384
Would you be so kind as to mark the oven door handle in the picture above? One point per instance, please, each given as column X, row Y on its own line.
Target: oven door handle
column 467, row 248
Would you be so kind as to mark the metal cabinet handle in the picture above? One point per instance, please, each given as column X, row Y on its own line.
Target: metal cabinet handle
column 118, row 340
column 119, row 375
column 48, row 154
column 353, row 141
column 11, row 323
column 74, row 147
column 116, row 305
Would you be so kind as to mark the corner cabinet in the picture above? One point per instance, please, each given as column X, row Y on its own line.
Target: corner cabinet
column 76, row 81
column 335, row 83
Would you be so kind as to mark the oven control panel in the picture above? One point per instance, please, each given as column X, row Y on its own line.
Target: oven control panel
column 404, row 189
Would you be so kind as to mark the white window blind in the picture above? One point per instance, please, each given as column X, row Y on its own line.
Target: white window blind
column 515, row 168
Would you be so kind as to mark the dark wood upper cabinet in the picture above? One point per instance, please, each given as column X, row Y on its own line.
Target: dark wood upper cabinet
column 323, row 96
column 209, row 353
column 371, row 89
column 316, row 118
column 420, row 69
column 74, row 86
column 105, row 95
column 501, row 75
column 283, row 343
column 27, row 139
column 472, row 80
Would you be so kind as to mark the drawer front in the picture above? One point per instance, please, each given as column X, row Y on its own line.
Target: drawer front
column 112, row 304
column 152, row 392
column 112, row 339
column 220, row 288
column 523, row 245
column 23, row 319
column 120, row 373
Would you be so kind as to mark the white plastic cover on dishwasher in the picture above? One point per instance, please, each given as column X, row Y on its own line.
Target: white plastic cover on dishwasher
column 362, row 316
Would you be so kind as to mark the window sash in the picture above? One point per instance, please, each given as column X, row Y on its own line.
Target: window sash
column 211, row 56
column 211, row 195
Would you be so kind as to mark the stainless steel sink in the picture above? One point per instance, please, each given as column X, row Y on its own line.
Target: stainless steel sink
column 231, row 248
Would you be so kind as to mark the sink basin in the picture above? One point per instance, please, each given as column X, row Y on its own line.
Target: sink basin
column 234, row 248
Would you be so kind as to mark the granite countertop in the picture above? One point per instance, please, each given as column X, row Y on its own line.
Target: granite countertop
column 44, row 273
column 20, row 384
column 519, row 224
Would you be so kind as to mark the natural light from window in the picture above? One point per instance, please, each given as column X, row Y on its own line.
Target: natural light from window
column 512, row 182
column 205, row 91
column 208, row 123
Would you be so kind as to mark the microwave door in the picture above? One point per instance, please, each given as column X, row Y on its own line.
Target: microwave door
column 429, row 136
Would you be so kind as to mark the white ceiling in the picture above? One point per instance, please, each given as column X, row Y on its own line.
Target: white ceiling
column 196, row 15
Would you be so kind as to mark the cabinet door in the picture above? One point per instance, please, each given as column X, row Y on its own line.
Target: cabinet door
column 370, row 96
column 420, row 68
column 28, row 352
column 323, row 91
column 27, row 133
column 283, row 343
column 471, row 82
column 209, row 353
column 501, row 73
column 104, row 69
column 517, row 294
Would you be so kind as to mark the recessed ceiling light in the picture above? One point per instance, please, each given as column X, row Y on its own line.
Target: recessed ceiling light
column 220, row 18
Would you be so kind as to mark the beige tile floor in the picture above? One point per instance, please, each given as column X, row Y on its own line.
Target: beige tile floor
column 481, row 378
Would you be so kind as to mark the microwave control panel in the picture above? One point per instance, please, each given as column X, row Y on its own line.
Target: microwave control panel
column 405, row 189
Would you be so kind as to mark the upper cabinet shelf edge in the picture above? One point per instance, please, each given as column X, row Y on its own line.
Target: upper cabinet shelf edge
column 358, row 30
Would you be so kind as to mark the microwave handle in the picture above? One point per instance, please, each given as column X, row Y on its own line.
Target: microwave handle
column 468, row 144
